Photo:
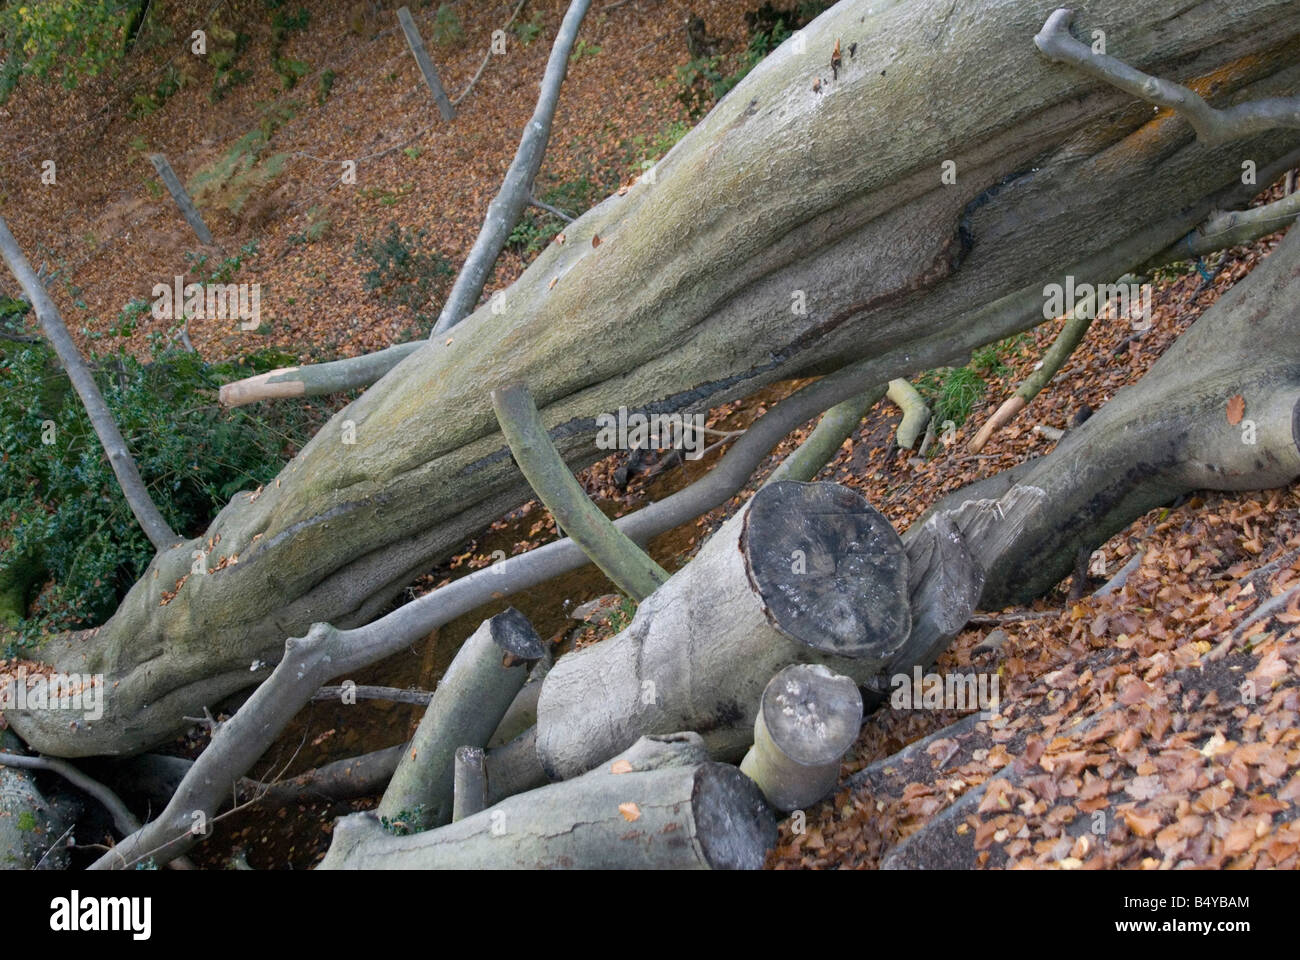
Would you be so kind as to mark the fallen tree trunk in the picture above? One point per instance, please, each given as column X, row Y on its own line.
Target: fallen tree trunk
column 804, row 572
column 693, row 311
column 1180, row 428
column 661, row 805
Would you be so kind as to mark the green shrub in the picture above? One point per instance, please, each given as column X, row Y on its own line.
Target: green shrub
column 63, row 39
column 69, row 546
column 447, row 28
column 404, row 272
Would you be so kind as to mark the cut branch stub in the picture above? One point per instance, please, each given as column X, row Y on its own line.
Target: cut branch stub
column 467, row 707
column 808, row 718
column 829, row 567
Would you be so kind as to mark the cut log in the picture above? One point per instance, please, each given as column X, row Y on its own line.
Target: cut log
column 804, row 572
column 466, row 708
column 660, row 805
column 808, row 719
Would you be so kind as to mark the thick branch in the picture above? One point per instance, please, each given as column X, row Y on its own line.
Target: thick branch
column 119, row 457
column 1229, row 229
column 1211, row 125
column 503, row 212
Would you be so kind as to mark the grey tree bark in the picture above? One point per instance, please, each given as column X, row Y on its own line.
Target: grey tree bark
column 782, row 188
column 660, row 805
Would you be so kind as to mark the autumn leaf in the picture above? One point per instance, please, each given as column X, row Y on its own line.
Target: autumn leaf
column 630, row 811
column 595, row 240
column 1236, row 408
column 620, row 766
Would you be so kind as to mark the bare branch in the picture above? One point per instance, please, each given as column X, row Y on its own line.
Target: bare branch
column 629, row 567
column 119, row 457
column 123, row 818
column 1211, row 125
column 503, row 212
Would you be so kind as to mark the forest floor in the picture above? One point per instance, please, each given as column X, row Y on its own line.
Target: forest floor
column 1155, row 726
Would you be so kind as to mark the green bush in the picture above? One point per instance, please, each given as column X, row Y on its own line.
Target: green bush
column 404, row 272
column 65, row 39
column 69, row 546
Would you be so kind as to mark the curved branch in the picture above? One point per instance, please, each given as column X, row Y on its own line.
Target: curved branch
column 1211, row 125
column 123, row 818
column 836, row 425
column 628, row 566
column 151, row 521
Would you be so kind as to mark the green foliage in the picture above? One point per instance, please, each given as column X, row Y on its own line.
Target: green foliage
column 62, row 515
column 63, row 39
column 991, row 359
column 325, row 85
column 622, row 615
column 706, row 80
column 951, row 393
column 537, row 228
column 143, row 104
column 447, row 29
column 26, row 821
column 245, row 167
column 526, row 31
column 225, row 47
column 404, row 272
column 582, row 50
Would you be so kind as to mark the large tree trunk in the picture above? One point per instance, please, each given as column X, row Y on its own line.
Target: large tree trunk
column 789, row 192
column 1170, row 433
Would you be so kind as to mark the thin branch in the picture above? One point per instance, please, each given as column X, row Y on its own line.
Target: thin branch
column 550, row 209
column 393, row 694
column 1211, row 125
column 1077, row 323
column 486, row 57
column 505, row 209
column 836, row 425
column 123, row 818
column 158, row 531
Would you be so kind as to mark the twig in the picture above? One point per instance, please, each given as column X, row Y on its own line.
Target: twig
column 486, row 57
column 393, row 694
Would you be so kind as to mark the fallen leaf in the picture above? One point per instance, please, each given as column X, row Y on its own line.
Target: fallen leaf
column 620, row 766
column 1236, row 409
column 630, row 811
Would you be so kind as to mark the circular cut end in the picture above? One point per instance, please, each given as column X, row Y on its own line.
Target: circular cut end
column 733, row 823
column 512, row 632
column 829, row 568
column 812, row 714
